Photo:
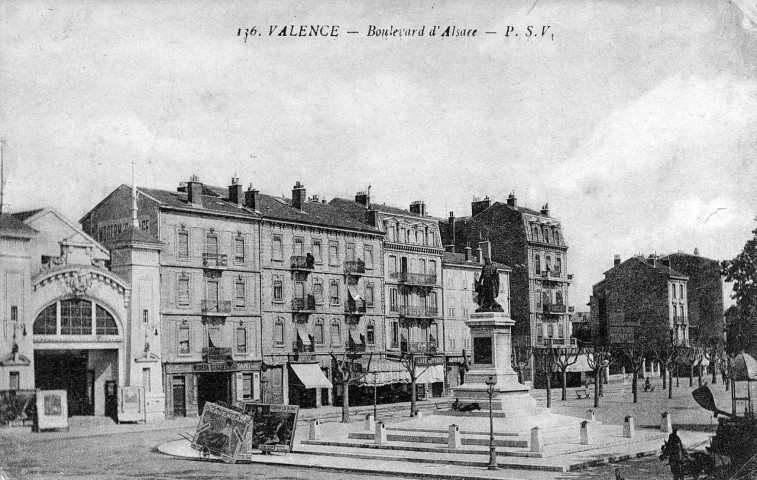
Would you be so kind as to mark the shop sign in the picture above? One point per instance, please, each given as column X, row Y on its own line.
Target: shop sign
column 423, row 360
column 223, row 432
column 456, row 360
column 273, row 426
column 212, row 367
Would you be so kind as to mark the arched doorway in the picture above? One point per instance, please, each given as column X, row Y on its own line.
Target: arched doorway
column 77, row 348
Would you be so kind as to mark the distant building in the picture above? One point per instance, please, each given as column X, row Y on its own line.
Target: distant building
column 640, row 298
column 532, row 244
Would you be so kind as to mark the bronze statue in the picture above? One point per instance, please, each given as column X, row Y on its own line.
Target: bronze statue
column 488, row 289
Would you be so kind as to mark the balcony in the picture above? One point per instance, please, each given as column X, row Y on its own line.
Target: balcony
column 554, row 308
column 299, row 347
column 214, row 260
column 216, row 354
column 418, row 347
column 215, row 307
column 420, row 279
column 411, row 311
column 354, row 268
column 304, row 305
column 303, row 263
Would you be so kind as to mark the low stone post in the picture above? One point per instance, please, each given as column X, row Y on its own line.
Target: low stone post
column 370, row 422
column 380, row 436
column 314, row 433
column 628, row 427
column 590, row 415
column 454, row 437
column 587, row 436
column 666, row 424
column 536, row 441
column 418, row 414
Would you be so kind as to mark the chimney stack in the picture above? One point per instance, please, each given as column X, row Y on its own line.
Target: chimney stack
column 696, row 251
column 251, row 199
column 235, row 192
column 363, row 198
column 451, row 233
column 478, row 205
column 468, row 253
column 616, row 260
column 194, row 191
column 485, row 247
column 545, row 210
column 511, row 200
column 418, row 207
column 299, row 196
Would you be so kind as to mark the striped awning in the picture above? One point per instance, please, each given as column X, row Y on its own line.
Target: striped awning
column 384, row 372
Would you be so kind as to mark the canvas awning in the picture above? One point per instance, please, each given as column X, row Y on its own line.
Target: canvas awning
column 383, row 372
column 304, row 337
column 310, row 375
column 432, row 374
column 353, row 293
column 355, row 336
column 214, row 337
column 744, row 368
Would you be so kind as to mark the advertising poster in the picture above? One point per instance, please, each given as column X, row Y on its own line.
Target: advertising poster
column 222, row 432
column 273, row 426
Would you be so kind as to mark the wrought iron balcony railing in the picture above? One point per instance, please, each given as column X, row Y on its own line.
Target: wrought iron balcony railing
column 554, row 308
column 305, row 304
column 302, row 262
column 414, row 278
column 353, row 307
column 354, row 267
column 418, row 347
column 412, row 311
column 215, row 307
column 216, row 354
column 214, row 260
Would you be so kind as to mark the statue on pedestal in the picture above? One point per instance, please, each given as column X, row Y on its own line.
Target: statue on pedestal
column 487, row 288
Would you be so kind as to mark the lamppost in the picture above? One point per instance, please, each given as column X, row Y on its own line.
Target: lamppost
column 375, row 415
column 492, row 452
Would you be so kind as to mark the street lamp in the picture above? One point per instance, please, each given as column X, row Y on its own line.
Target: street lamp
column 375, row 415
column 492, row 452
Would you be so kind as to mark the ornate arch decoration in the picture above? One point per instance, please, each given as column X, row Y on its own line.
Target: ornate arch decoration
column 81, row 281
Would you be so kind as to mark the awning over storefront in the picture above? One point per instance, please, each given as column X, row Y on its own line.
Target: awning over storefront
column 310, row 375
column 432, row 374
column 744, row 368
column 353, row 293
column 383, row 372
column 355, row 336
column 304, row 337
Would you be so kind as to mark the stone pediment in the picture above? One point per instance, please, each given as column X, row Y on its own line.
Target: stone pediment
column 14, row 359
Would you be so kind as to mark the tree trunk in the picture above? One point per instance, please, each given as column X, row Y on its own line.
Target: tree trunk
column 634, row 387
column 601, row 382
column 678, row 384
column 564, row 384
column 664, row 371
column 596, row 388
column 549, row 390
column 345, row 402
column 670, row 385
column 714, row 367
column 413, row 393
column 700, row 375
column 691, row 375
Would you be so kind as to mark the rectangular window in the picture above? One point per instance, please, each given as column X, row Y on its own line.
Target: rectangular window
column 145, row 316
column 14, row 381
column 537, row 263
column 550, row 330
column 422, row 265
column 246, row 386
column 318, row 290
column 239, row 295
column 560, row 330
column 146, row 379
column 318, row 332
column 369, row 295
column 538, row 299
column 211, row 245
column 144, row 225
column 239, row 250
column 277, row 248
column 336, row 333
column 278, row 332
column 351, row 252
column 368, row 256
column 431, row 267
column 14, row 313
column 395, row 335
column 370, row 334
column 333, row 253
column 241, row 340
column 299, row 246
column 392, row 234
column 558, row 265
column 278, row 290
column 394, row 300
column 392, row 264
column 183, row 294
column 299, row 289
column 334, row 292
column 317, row 253
column 183, row 244
column 432, row 300
column 674, row 290
column 184, row 339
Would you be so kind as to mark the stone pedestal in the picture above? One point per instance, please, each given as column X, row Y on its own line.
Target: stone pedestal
column 491, row 350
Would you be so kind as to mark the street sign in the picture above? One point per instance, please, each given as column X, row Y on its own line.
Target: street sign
column 621, row 334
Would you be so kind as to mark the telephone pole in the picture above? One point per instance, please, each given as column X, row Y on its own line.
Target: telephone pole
column 2, row 173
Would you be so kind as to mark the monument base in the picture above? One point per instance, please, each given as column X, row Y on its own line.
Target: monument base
column 508, row 395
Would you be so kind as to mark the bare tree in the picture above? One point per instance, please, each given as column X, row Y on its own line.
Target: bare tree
column 408, row 360
column 667, row 352
column 565, row 357
column 635, row 352
column 522, row 360
column 599, row 359
column 346, row 375
column 545, row 357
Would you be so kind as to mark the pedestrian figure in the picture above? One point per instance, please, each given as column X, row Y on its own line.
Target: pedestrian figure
column 675, row 453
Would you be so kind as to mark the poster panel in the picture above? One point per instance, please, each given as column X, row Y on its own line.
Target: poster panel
column 131, row 404
column 223, row 432
column 273, row 426
column 52, row 409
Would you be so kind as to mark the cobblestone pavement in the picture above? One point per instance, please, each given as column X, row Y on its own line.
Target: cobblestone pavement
column 133, row 455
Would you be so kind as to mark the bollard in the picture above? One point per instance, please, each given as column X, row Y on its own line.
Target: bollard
column 666, row 424
column 536, row 441
column 590, row 415
column 370, row 423
column 380, row 436
column 418, row 414
column 587, row 436
column 628, row 428
column 454, row 437
column 315, row 430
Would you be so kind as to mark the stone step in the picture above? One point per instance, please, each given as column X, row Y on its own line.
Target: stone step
column 440, row 437
column 464, row 432
column 90, row 421
column 419, row 447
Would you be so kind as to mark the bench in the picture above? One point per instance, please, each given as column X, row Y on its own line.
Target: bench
column 583, row 393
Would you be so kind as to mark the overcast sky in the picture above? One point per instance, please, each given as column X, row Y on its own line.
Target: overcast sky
column 637, row 121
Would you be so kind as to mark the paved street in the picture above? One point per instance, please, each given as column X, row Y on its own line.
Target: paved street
column 114, row 454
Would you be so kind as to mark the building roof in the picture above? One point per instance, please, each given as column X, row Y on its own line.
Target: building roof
column 9, row 224
column 277, row 208
column 659, row 266
column 357, row 210
column 453, row 258
column 28, row 213
column 693, row 255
